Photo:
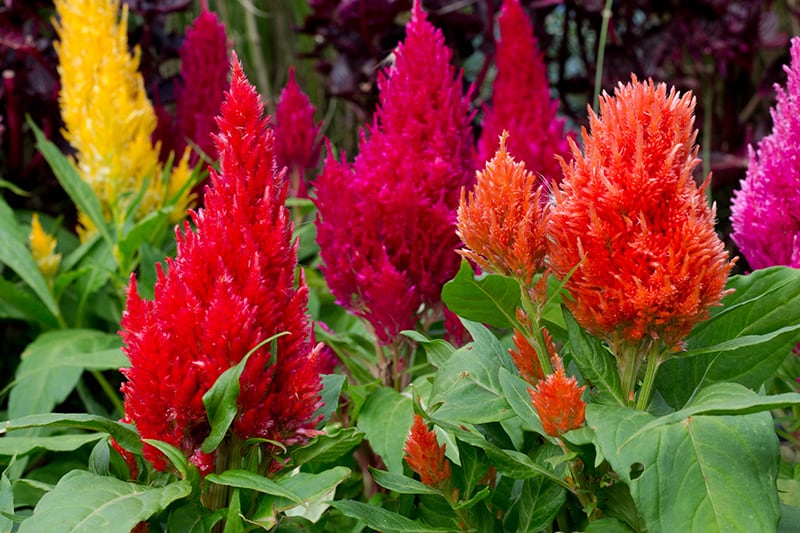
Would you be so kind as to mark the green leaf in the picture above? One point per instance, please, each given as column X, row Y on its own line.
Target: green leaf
column 153, row 224
column 52, row 365
column 491, row 299
column 744, row 341
column 380, row 519
column 328, row 448
column 125, row 435
column 186, row 469
column 244, row 479
column 221, row 400
column 10, row 446
column 386, row 420
column 314, row 489
column 467, row 387
column 15, row 255
column 607, row 525
column 310, row 487
column 332, row 385
column 437, row 350
column 21, row 303
column 6, row 502
column 539, row 502
column 699, row 473
column 790, row 519
column 400, row 483
column 193, row 518
column 234, row 522
column 78, row 190
column 82, row 501
column 595, row 363
column 515, row 390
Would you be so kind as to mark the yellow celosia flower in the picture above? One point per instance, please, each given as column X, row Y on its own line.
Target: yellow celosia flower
column 107, row 115
column 43, row 247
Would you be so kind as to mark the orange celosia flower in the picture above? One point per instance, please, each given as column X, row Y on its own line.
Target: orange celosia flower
column 557, row 400
column 425, row 456
column 631, row 216
column 526, row 358
column 502, row 221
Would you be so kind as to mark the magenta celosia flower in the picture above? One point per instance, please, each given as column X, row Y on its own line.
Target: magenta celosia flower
column 231, row 286
column 386, row 225
column 204, row 78
column 764, row 213
column 521, row 102
column 297, row 139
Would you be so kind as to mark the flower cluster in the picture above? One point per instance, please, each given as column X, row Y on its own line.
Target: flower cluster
column 231, row 286
column 297, row 136
column 204, row 77
column 521, row 101
column 424, row 455
column 766, row 227
column 632, row 220
column 107, row 116
column 502, row 221
column 557, row 400
column 43, row 249
column 386, row 224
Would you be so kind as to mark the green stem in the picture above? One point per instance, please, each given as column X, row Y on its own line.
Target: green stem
column 646, row 392
column 535, row 336
column 109, row 391
column 629, row 361
column 601, row 52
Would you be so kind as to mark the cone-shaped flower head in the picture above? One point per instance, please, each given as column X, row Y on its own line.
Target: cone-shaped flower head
column 557, row 400
column 43, row 249
column 107, row 116
column 502, row 221
column 764, row 213
column 387, row 225
column 297, row 140
column 521, row 101
column 231, row 286
column 425, row 456
column 631, row 218
column 205, row 65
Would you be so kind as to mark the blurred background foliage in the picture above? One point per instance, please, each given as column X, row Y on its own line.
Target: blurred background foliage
column 728, row 52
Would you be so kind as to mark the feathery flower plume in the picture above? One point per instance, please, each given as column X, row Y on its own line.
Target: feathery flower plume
column 386, row 225
column 521, row 101
column 631, row 218
column 766, row 227
column 107, row 116
column 502, row 221
column 557, row 400
column 297, row 139
column 43, row 248
column 205, row 65
column 231, row 286
column 425, row 456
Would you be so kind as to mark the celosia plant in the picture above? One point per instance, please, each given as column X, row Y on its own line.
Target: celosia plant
column 424, row 455
column 386, row 224
column 636, row 229
column 763, row 213
column 297, row 136
column 205, row 65
column 43, row 249
column 521, row 101
column 231, row 286
column 557, row 399
column 107, row 115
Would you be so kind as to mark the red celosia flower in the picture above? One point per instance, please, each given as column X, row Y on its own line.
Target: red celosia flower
column 231, row 286
column 632, row 219
column 521, row 101
column 204, row 78
column 502, row 221
column 386, row 226
column 425, row 456
column 297, row 141
column 557, row 400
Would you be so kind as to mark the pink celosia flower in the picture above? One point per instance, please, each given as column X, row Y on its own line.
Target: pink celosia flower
column 424, row 455
column 632, row 220
column 386, row 226
column 764, row 213
column 521, row 102
column 297, row 140
column 205, row 66
column 231, row 286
